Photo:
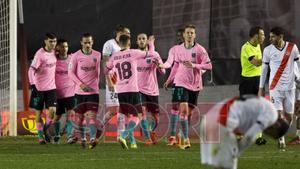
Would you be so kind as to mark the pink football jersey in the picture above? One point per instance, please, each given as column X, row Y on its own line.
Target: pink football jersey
column 64, row 84
column 85, row 69
column 190, row 78
column 147, row 78
column 125, row 64
column 44, row 64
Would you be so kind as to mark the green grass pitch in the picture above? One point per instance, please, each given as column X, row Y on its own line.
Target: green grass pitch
column 24, row 152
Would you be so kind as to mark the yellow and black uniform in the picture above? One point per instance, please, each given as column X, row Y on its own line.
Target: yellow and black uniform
column 249, row 83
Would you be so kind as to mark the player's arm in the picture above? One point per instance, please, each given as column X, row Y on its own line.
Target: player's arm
column 98, row 65
column 203, row 62
column 36, row 63
column 172, row 75
column 107, row 76
column 31, row 76
column 151, row 46
column 170, row 60
column 264, row 72
column 108, row 79
column 72, row 74
column 250, row 136
column 107, row 48
column 297, row 61
column 156, row 62
column 108, row 67
column 251, row 58
column 254, row 61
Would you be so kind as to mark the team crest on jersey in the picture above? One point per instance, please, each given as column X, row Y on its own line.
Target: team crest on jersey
column 95, row 60
column 148, row 60
column 193, row 55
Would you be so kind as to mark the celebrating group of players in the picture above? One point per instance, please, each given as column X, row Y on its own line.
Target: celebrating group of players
column 70, row 83
column 61, row 82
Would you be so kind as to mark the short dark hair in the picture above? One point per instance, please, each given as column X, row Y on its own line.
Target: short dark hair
column 189, row 26
column 120, row 28
column 49, row 35
column 277, row 31
column 86, row 35
column 61, row 41
column 254, row 30
column 123, row 40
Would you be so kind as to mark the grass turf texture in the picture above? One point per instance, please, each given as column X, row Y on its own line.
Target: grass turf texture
column 25, row 152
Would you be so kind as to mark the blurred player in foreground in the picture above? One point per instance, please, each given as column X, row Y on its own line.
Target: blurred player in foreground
column 247, row 116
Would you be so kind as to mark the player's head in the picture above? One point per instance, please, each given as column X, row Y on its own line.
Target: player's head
column 142, row 41
column 179, row 36
column 124, row 41
column 50, row 41
column 62, row 47
column 278, row 129
column 257, row 34
column 121, row 30
column 87, row 42
column 189, row 33
column 276, row 35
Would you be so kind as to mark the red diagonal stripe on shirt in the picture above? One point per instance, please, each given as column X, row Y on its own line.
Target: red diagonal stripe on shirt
column 282, row 66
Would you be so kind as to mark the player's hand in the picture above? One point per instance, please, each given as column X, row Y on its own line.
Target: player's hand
column 156, row 62
column 85, row 88
column 261, row 92
column 151, row 39
column 188, row 64
column 166, row 84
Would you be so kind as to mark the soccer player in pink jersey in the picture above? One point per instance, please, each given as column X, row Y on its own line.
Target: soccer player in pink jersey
column 179, row 40
column 43, row 66
column 190, row 58
column 125, row 64
column 111, row 98
column 281, row 56
column 148, row 86
column 84, row 70
column 64, row 90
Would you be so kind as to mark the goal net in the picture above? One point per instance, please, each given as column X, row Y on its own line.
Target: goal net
column 8, row 90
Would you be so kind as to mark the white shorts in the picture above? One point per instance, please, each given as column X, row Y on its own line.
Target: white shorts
column 111, row 98
column 283, row 100
column 222, row 154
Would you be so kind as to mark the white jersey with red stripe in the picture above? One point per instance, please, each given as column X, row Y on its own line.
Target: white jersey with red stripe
column 274, row 56
column 248, row 116
column 244, row 113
